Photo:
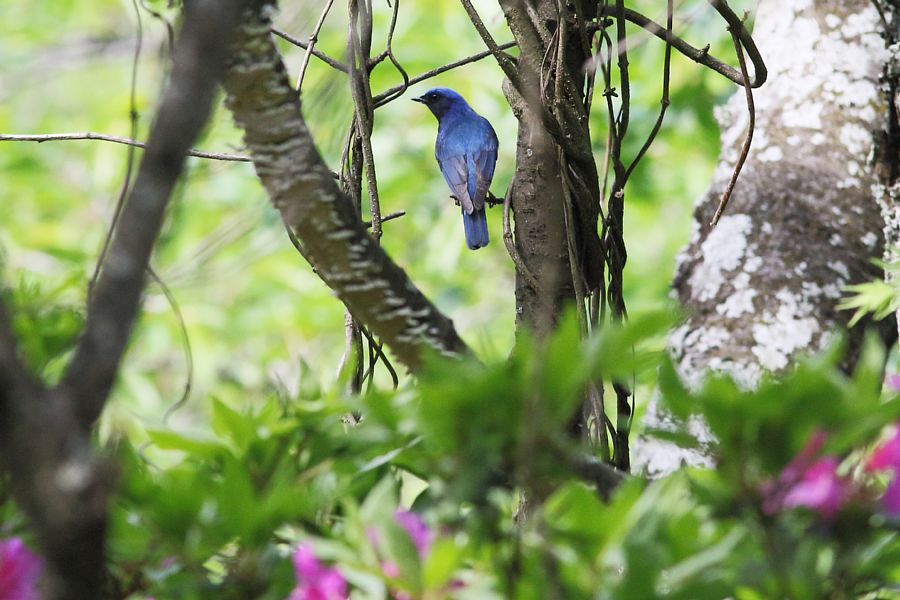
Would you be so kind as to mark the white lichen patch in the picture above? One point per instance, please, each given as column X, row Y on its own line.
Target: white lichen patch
column 770, row 154
column 855, row 139
column 722, row 252
column 790, row 329
column 740, row 301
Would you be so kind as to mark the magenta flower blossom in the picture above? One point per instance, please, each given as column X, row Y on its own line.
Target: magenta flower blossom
column 417, row 529
column 314, row 580
column 891, row 499
column 20, row 570
column 820, row 489
column 887, row 458
column 808, row 482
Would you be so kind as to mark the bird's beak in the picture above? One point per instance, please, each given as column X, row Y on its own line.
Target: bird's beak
column 419, row 99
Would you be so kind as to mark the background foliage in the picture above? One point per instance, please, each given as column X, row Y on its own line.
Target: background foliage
column 263, row 454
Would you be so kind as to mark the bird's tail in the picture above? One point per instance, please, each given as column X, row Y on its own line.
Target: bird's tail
column 476, row 229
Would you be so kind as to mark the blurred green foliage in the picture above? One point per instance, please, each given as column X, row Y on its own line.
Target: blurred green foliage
column 269, row 452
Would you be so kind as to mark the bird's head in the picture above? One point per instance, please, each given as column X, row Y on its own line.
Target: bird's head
column 441, row 100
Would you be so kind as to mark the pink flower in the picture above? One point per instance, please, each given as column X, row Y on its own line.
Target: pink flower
column 314, row 580
column 20, row 570
column 891, row 499
column 808, row 482
column 887, row 455
column 820, row 489
column 417, row 529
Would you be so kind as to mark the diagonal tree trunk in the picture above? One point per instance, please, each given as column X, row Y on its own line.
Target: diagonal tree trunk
column 763, row 286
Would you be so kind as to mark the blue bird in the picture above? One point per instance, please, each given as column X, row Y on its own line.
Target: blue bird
column 466, row 151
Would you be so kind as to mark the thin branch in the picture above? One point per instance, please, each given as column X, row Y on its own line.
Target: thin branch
column 379, row 352
column 664, row 102
column 503, row 59
column 702, row 55
column 388, row 217
column 389, row 52
column 129, row 161
column 622, row 53
column 392, row 93
column 90, row 135
column 311, row 45
column 745, row 150
column 331, row 62
column 185, row 342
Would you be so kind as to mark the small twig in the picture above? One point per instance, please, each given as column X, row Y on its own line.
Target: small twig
column 504, row 60
column 391, row 93
column 379, row 351
column 185, row 340
column 311, row 45
column 622, row 53
column 388, row 217
column 702, row 55
column 745, row 150
column 331, row 62
column 90, row 135
column 664, row 102
column 129, row 161
column 397, row 91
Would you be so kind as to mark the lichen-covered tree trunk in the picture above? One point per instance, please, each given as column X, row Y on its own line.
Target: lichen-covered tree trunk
column 763, row 286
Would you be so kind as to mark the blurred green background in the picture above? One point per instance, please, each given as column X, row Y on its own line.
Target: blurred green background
column 256, row 315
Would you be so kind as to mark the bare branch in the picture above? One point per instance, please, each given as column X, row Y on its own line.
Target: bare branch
column 389, row 53
column 745, row 149
column 503, row 59
column 90, row 135
column 331, row 62
column 300, row 185
column 702, row 55
column 311, row 45
column 664, row 102
column 394, row 92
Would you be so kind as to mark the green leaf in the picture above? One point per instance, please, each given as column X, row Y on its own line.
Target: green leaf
column 203, row 446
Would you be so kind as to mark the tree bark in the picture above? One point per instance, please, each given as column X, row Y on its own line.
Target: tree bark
column 300, row 185
column 555, row 166
column 803, row 222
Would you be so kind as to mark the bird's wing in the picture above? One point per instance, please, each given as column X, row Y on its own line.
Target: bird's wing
column 481, row 172
column 455, row 174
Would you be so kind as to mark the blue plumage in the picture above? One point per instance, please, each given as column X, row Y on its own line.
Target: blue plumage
column 466, row 151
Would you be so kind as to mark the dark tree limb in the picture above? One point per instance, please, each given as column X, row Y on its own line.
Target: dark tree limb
column 114, row 305
column 376, row 291
column 45, row 439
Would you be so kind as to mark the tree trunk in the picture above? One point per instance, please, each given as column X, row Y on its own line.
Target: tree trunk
column 554, row 139
column 804, row 220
